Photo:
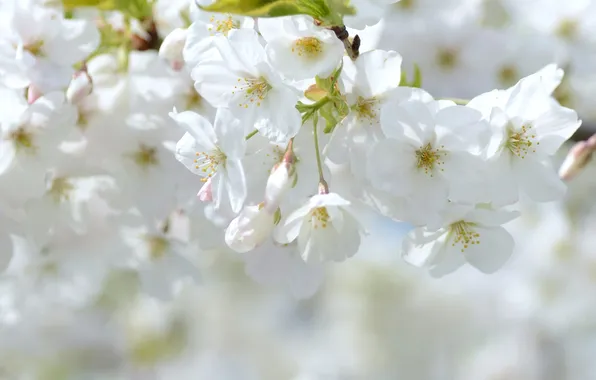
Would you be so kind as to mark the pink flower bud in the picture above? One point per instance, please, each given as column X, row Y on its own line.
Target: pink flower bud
column 579, row 155
column 172, row 47
column 33, row 93
column 79, row 88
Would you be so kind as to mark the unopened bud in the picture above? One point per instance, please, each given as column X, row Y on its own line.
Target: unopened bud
column 172, row 47
column 281, row 179
column 80, row 87
column 577, row 158
column 250, row 228
column 33, row 93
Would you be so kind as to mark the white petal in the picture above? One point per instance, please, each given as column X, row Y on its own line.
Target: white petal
column 495, row 248
column 198, row 127
column 235, row 184
column 539, row 180
column 289, row 228
column 230, row 134
column 378, row 71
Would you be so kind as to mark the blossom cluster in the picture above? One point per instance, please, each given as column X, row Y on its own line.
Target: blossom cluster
column 129, row 168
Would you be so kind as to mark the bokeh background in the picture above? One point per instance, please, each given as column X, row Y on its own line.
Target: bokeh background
column 373, row 317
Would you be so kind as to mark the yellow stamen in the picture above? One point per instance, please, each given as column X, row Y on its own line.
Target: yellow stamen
column 223, row 26
column 208, row 162
column 255, row 90
column 522, row 141
column 307, row 47
column 428, row 159
column 463, row 234
column 319, row 218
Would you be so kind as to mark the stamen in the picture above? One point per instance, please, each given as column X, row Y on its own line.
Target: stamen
column 464, row 234
column 367, row 109
column 429, row 158
column 223, row 26
column 521, row 142
column 255, row 90
column 208, row 162
column 319, row 218
column 22, row 139
column 307, row 47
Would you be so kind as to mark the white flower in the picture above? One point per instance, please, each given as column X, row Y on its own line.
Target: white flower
column 204, row 30
column 46, row 46
column 244, row 82
column 324, row 229
column 250, row 229
column 299, row 49
column 468, row 235
column 214, row 152
column 528, row 127
column 369, row 82
column 427, row 155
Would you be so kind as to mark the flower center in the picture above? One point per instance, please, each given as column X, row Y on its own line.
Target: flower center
column 193, row 99
column 223, row 26
column 308, row 47
column 146, row 156
column 60, row 189
column 22, row 139
column 255, row 90
column 366, row 109
column 35, row 48
column 319, row 217
column 507, row 75
column 405, row 4
column 521, row 142
column 208, row 162
column 567, row 29
column 447, row 58
column 157, row 246
column 464, row 234
column 428, row 158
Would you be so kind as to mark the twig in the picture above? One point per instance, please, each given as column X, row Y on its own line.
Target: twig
column 352, row 47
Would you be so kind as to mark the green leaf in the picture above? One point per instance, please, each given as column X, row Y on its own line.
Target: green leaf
column 104, row 5
column 328, row 12
column 416, row 82
column 139, row 9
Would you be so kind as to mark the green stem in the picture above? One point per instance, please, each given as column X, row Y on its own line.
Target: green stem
column 251, row 134
column 317, row 152
column 320, row 103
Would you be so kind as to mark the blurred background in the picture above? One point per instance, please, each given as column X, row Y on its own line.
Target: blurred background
column 374, row 317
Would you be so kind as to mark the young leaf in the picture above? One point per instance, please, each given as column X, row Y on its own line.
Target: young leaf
column 269, row 8
column 416, row 82
column 327, row 12
column 104, row 5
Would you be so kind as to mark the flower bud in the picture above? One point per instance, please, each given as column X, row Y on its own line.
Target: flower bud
column 282, row 178
column 172, row 47
column 578, row 157
column 250, row 228
column 33, row 93
column 279, row 182
column 80, row 87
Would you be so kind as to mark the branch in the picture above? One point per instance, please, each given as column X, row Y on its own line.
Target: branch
column 352, row 47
